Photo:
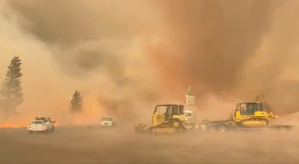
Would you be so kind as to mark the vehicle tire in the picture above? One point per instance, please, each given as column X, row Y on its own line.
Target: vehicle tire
column 175, row 124
column 211, row 128
column 222, row 128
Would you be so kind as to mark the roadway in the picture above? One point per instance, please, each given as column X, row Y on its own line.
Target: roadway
column 120, row 145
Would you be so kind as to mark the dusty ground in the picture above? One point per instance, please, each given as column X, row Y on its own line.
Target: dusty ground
column 95, row 145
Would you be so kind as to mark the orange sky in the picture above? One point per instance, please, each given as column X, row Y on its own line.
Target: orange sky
column 149, row 52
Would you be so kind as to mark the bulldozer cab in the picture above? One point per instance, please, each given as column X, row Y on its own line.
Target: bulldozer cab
column 251, row 114
column 167, row 112
column 249, row 109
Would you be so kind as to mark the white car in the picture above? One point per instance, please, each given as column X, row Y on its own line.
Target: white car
column 41, row 124
column 108, row 121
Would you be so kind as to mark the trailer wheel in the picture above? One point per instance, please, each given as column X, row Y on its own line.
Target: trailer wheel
column 222, row 128
column 211, row 128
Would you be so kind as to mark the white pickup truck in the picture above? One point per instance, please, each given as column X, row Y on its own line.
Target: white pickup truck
column 41, row 124
column 108, row 121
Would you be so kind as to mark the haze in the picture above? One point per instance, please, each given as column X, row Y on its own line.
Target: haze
column 127, row 56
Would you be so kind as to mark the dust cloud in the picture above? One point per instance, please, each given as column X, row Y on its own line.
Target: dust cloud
column 127, row 56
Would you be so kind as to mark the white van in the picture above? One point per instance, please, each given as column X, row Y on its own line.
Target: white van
column 108, row 121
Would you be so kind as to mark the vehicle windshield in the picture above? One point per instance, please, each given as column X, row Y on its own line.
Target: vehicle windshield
column 107, row 119
column 37, row 122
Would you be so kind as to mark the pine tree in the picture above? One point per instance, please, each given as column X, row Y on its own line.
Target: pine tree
column 76, row 105
column 11, row 91
column 76, row 102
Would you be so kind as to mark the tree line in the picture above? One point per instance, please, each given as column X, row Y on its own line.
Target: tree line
column 11, row 93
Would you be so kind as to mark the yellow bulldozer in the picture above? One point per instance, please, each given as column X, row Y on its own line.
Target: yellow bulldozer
column 166, row 119
column 246, row 116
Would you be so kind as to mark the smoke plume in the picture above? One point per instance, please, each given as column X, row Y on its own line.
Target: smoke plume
column 232, row 49
column 129, row 55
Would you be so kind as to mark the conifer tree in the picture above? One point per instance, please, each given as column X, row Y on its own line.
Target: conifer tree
column 76, row 105
column 76, row 102
column 11, row 94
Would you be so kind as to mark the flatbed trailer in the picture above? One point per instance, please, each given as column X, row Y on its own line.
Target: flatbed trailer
column 246, row 116
column 228, row 125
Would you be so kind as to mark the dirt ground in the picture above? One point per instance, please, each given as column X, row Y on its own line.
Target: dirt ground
column 121, row 145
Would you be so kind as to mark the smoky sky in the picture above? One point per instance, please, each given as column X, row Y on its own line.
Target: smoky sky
column 215, row 38
column 213, row 45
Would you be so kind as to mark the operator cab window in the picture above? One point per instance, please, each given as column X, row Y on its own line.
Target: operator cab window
column 175, row 110
column 181, row 108
column 259, row 107
column 253, row 107
column 162, row 109
column 168, row 113
column 243, row 110
column 237, row 109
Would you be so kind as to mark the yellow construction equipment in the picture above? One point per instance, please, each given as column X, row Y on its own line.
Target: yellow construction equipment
column 166, row 119
column 247, row 115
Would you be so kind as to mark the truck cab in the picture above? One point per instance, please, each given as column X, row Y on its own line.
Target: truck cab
column 190, row 119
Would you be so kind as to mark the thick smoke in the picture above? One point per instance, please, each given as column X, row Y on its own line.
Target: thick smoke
column 232, row 49
column 95, row 39
column 83, row 35
column 213, row 40
column 131, row 53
